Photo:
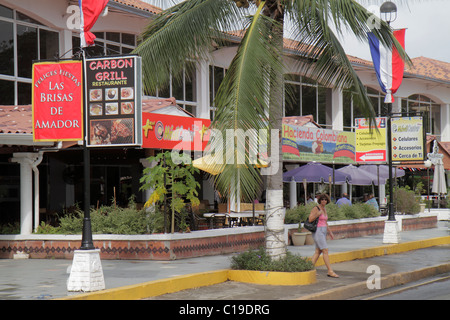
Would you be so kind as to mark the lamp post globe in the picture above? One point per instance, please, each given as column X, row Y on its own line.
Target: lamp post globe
column 388, row 11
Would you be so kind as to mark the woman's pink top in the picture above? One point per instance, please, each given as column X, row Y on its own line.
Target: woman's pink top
column 322, row 220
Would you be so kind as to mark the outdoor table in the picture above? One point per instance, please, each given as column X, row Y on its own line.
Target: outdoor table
column 235, row 216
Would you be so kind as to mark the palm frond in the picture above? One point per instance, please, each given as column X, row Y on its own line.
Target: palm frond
column 242, row 103
column 325, row 58
column 181, row 32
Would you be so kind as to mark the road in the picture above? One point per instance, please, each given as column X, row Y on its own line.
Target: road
column 433, row 288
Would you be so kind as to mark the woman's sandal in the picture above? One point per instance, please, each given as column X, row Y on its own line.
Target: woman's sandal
column 333, row 275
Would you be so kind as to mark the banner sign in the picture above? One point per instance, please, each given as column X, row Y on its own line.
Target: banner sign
column 315, row 144
column 113, row 101
column 408, row 140
column 371, row 144
column 57, row 99
column 168, row 132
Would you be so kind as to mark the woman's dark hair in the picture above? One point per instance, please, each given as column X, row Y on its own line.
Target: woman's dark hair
column 323, row 196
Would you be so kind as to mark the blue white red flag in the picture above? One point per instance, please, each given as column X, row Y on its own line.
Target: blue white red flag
column 90, row 10
column 389, row 66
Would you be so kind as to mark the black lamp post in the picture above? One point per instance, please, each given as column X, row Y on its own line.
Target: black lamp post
column 388, row 12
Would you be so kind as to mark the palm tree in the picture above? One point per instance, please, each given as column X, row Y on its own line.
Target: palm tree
column 251, row 94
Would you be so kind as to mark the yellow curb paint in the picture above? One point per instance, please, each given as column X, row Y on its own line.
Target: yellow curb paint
column 273, row 278
column 178, row 283
column 155, row 288
column 384, row 250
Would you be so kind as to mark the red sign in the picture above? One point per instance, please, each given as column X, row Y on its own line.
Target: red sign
column 57, row 101
column 174, row 132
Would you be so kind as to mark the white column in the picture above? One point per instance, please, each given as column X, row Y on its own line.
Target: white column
column 26, row 161
column 292, row 194
column 203, row 90
column 397, row 105
column 445, row 122
column 337, row 109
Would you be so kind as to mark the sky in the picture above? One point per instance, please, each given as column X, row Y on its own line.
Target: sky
column 427, row 33
column 427, row 23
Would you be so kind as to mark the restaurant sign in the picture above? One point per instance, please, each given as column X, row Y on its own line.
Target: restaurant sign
column 303, row 143
column 370, row 143
column 57, row 99
column 174, row 132
column 113, row 101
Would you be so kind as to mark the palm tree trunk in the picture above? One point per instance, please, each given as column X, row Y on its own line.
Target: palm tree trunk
column 275, row 238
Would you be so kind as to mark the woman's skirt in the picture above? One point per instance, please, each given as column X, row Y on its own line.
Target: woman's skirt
column 320, row 238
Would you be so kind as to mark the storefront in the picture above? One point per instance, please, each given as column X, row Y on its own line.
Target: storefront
column 40, row 179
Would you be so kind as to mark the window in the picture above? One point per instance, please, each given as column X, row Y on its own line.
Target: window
column 107, row 44
column 428, row 108
column 183, row 88
column 216, row 76
column 303, row 97
column 352, row 108
column 22, row 40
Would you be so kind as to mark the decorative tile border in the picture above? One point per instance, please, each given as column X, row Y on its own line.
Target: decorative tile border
column 179, row 246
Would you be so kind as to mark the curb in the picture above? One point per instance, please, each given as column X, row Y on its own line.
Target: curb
column 393, row 280
column 384, row 250
column 196, row 280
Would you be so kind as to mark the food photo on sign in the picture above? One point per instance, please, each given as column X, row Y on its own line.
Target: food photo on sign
column 113, row 94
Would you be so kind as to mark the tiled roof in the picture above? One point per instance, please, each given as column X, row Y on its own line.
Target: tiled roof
column 430, row 68
column 139, row 5
column 16, row 119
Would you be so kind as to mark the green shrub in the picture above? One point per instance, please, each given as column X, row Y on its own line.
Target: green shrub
column 9, row 228
column 335, row 213
column 258, row 260
column 405, row 201
column 110, row 220
column 299, row 213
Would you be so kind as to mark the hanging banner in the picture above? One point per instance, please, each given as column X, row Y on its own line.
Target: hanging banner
column 168, row 132
column 408, row 140
column 370, row 144
column 57, row 99
column 113, row 101
column 315, row 144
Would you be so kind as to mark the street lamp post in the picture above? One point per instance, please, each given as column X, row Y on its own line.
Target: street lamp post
column 388, row 12
column 428, row 164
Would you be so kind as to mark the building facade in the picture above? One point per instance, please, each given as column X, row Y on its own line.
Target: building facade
column 39, row 179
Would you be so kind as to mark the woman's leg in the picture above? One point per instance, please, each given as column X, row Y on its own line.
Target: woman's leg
column 316, row 256
column 326, row 260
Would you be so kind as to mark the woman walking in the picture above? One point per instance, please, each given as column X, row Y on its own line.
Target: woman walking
column 320, row 236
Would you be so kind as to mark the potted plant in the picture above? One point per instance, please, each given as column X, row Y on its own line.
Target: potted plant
column 299, row 238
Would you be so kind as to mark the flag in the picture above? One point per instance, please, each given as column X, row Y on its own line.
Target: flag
column 389, row 66
column 89, row 12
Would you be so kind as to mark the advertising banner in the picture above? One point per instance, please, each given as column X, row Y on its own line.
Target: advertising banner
column 113, row 101
column 168, row 132
column 408, row 139
column 315, row 144
column 371, row 144
column 57, row 99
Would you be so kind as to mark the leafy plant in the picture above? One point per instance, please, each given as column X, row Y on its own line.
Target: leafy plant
column 405, row 201
column 172, row 181
column 259, row 260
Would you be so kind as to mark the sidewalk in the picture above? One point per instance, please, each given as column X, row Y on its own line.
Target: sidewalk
column 46, row 279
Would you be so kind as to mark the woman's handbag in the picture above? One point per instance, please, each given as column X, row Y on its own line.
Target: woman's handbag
column 311, row 226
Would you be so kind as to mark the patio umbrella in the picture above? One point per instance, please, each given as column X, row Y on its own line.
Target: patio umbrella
column 214, row 165
column 439, row 184
column 315, row 172
column 382, row 171
column 361, row 177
